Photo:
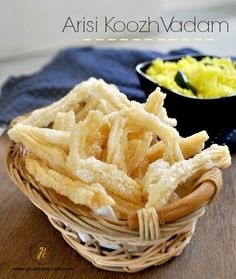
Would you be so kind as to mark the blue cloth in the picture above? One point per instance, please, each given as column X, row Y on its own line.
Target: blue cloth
column 71, row 66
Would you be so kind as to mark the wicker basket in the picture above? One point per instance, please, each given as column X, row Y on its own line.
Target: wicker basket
column 160, row 236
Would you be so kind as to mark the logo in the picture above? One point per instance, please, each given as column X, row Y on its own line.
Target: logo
column 41, row 252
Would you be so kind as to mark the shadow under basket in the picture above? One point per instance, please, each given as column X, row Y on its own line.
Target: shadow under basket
column 116, row 245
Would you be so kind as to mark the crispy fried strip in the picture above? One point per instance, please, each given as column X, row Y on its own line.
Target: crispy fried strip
column 140, row 171
column 154, row 172
column 104, row 107
column 155, row 104
column 121, row 150
column 77, row 146
column 115, row 144
column 80, row 136
column 168, row 135
column 61, row 139
column 138, row 144
column 44, row 116
column 111, row 94
column 91, row 104
column 160, row 192
column 54, row 156
column 167, row 120
column 140, row 152
column 64, row 121
column 93, row 196
column 97, row 135
column 136, row 104
column 193, row 144
column 133, row 145
column 108, row 175
column 189, row 146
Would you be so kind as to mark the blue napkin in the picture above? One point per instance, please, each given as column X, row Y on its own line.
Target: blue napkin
column 71, row 66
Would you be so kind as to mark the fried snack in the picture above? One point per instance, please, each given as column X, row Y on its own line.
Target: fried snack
column 64, row 121
column 153, row 174
column 160, row 192
column 116, row 145
column 91, row 104
column 77, row 146
column 86, row 92
column 104, row 107
column 132, row 147
column 141, row 147
column 168, row 134
column 54, row 156
column 140, row 171
column 44, row 116
column 193, row 144
column 155, row 104
column 85, row 133
column 169, row 121
column 189, row 147
column 118, row 182
column 60, row 139
column 111, row 94
column 135, row 132
column 106, row 150
column 97, row 133
column 94, row 195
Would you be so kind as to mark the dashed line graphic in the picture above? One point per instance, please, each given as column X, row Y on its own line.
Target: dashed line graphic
column 148, row 39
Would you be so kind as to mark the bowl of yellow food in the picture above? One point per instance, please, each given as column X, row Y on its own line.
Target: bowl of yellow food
column 200, row 90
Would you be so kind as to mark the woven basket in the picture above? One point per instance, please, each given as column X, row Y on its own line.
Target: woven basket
column 160, row 235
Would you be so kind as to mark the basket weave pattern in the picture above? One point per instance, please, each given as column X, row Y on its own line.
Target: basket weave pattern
column 154, row 243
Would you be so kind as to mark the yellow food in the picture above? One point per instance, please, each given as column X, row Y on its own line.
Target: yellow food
column 211, row 77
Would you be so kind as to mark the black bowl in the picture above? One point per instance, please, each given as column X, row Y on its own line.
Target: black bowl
column 193, row 114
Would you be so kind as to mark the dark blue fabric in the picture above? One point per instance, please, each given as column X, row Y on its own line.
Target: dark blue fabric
column 71, row 66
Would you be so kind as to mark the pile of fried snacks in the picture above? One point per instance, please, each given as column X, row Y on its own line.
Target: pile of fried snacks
column 98, row 149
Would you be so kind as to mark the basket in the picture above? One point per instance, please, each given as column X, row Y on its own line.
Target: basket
column 116, row 245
